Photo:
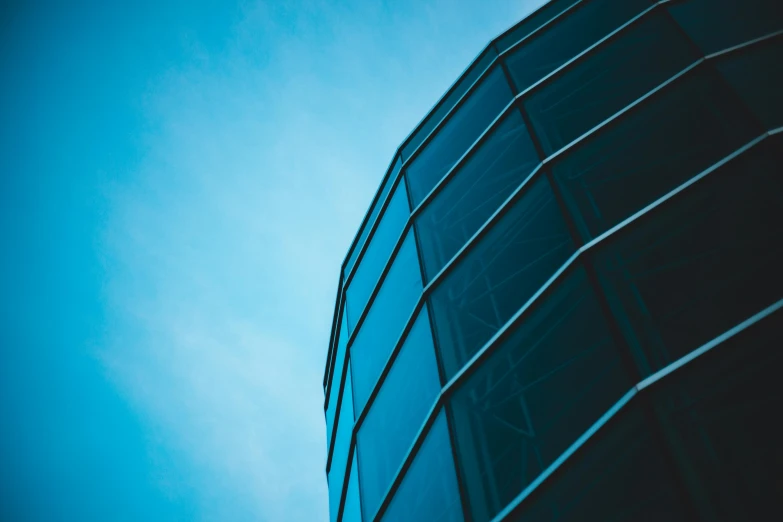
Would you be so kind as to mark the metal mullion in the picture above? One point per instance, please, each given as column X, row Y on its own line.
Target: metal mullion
column 334, row 344
column 338, row 405
column 352, row 453
column 330, row 350
column 489, row 347
column 639, row 389
column 538, row 29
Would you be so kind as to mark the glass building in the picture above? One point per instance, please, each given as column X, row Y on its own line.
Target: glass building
column 564, row 302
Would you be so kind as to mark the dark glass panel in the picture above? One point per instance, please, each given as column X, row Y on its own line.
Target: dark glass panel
column 429, row 491
column 635, row 62
column 507, row 266
column 530, row 23
column 475, row 191
column 703, row 262
column 398, row 412
column 342, row 445
column 693, row 123
column 377, row 255
column 721, row 413
column 456, row 136
column 717, row 25
column 384, row 189
column 757, row 75
column 577, row 31
column 556, row 374
column 385, row 320
column 337, row 376
column 352, row 511
column 464, row 83
column 620, row 474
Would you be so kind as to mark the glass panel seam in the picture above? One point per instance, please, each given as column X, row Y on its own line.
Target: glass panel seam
column 337, row 414
column 636, row 390
column 544, row 81
column 499, row 336
column 329, row 351
column 538, row 29
column 500, row 58
column 333, row 348
column 347, row 477
column 462, row 487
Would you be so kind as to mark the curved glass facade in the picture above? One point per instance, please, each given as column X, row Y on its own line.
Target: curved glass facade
column 564, row 302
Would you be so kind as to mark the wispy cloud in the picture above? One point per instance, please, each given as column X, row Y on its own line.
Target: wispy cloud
column 223, row 246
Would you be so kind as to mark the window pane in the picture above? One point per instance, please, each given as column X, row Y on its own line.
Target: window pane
column 429, row 491
column 451, row 141
column 537, row 19
column 641, row 58
column 474, row 192
column 510, row 263
column 373, row 214
column 385, row 320
column 378, row 251
column 757, row 75
column 352, row 511
column 620, row 474
column 705, row 261
column 577, row 31
column 463, row 84
column 399, row 410
column 556, row 374
column 342, row 340
column 676, row 134
column 715, row 26
column 342, row 445
column 722, row 413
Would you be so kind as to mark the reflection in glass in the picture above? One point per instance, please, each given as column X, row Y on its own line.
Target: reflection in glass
column 429, row 490
column 398, row 412
column 504, row 269
column 704, row 261
column 623, row 70
column 385, row 320
column 543, row 387
column 384, row 191
column 475, row 191
column 716, row 26
column 342, row 445
column 571, row 35
column 456, row 136
column 620, row 474
column 674, row 135
column 756, row 73
column 722, row 411
column 378, row 251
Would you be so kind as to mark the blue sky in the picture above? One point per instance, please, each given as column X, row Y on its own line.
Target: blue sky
column 179, row 185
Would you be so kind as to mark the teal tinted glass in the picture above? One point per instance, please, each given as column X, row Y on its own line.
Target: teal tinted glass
column 683, row 129
column 621, row 474
column 626, row 68
column 721, row 412
column 456, row 136
column 352, row 511
column 464, row 83
column 554, row 376
column 377, row 254
column 373, row 214
column 756, row 74
column 398, row 412
column 718, row 25
column 385, row 320
column 475, row 191
column 506, row 267
column 429, row 490
column 575, row 32
column 342, row 446
column 534, row 22
column 703, row 262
